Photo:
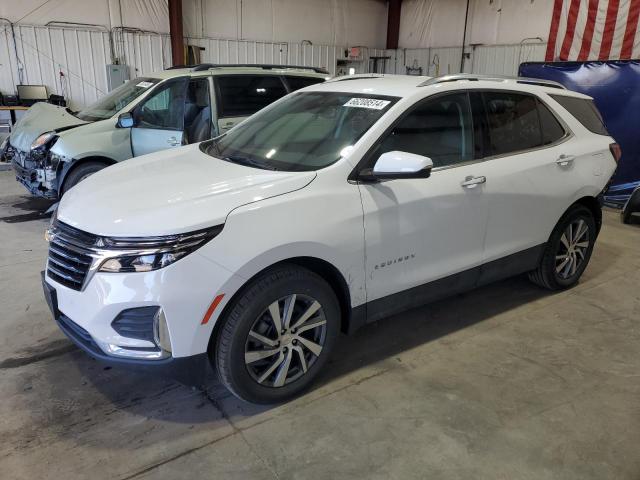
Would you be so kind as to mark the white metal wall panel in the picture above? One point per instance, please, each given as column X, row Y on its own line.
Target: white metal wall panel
column 81, row 56
column 434, row 61
column 505, row 59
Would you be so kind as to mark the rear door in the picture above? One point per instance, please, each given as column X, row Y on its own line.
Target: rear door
column 159, row 119
column 240, row 96
column 531, row 175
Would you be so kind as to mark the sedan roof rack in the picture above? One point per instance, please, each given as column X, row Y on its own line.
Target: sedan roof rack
column 207, row 66
column 491, row 78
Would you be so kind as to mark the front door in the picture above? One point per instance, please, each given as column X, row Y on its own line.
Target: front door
column 159, row 119
column 418, row 231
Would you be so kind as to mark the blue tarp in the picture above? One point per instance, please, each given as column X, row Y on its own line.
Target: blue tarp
column 615, row 88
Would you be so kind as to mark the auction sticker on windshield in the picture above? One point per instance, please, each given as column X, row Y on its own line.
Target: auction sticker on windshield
column 372, row 103
column 144, row 84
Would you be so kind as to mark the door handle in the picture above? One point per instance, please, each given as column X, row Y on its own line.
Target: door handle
column 473, row 182
column 565, row 160
column 173, row 141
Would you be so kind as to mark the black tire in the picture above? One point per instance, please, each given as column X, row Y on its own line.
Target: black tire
column 547, row 274
column 229, row 351
column 632, row 205
column 79, row 173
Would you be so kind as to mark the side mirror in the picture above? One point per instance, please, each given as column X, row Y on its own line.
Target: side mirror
column 397, row 165
column 125, row 120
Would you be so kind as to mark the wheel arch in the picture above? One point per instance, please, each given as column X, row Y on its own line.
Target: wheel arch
column 594, row 206
column 322, row 268
column 71, row 166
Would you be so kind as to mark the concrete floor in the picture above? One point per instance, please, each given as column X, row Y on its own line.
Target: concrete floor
column 506, row 382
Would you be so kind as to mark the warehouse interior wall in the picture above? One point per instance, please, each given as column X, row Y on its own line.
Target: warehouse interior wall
column 328, row 22
column 70, row 58
column 440, row 23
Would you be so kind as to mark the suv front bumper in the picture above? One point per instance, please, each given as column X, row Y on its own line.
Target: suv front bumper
column 189, row 370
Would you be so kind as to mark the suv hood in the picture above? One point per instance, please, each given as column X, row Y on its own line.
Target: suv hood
column 173, row 191
column 40, row 118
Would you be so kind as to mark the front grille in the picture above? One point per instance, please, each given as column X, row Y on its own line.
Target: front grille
column 69, row 255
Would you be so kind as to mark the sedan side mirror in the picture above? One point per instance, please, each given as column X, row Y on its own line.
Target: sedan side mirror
column 125, row 120
column 397, row 165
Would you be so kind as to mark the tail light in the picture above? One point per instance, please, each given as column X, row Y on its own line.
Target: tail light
column 616, row 151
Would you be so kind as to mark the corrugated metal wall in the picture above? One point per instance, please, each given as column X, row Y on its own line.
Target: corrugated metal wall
column 505, row 59
column 81, row 55
column 71, row 62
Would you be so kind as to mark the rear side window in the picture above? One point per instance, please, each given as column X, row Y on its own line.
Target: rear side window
column 552, row 130
column 244, row 95
column 585, row 112
column 296, row 83
column 513, row 122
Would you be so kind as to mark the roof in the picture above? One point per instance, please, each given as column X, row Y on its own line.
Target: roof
column 412, row 85
column 213, row 69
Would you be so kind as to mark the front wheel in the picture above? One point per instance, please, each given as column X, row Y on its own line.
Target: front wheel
column 568, row 250
column 80, row 173
column 277, row 335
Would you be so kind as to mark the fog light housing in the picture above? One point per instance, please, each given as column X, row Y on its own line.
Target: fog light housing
column 161, row 335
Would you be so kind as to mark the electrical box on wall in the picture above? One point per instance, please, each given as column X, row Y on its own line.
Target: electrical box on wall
column 116, row 75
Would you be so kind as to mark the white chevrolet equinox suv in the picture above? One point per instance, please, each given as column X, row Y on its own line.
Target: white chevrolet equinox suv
column 335, row 206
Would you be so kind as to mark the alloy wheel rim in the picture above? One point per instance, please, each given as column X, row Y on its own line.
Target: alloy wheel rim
column 285, row 340
column 572, row 250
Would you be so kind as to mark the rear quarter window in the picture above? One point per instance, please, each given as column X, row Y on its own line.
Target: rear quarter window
column 584, row 111
column 296, row 83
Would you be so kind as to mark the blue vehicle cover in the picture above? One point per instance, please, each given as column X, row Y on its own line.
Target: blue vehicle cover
column 615, row 88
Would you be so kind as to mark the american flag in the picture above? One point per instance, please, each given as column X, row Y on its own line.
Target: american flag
column 594, row 30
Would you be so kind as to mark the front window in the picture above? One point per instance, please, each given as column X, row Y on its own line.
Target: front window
column 306, row 131
column 116, row 100
column 439, row 128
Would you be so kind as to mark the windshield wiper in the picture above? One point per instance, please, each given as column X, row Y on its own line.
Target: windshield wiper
column 249, row 162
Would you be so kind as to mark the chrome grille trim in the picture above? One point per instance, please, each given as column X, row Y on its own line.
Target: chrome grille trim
column 70, row 256
column 75, row 255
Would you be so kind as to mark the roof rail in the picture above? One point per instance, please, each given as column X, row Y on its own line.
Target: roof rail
column 491, row 78
column 206, row 66
column 356, row 76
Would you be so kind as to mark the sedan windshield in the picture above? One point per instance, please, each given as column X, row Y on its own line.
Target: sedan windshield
column 116, row 100
column 305, row 131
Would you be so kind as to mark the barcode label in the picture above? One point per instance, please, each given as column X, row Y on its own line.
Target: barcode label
column 372, row 103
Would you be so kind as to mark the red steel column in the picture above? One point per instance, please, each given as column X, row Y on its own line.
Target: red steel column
column 175, row 30
column 393, row 23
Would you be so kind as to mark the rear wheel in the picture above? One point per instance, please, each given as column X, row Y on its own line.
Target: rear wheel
column 277, row 335
column 632, row 205
column 568, row 250
column 80, row 173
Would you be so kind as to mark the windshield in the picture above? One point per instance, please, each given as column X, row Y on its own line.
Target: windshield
column 116, row 100
column 305, row 131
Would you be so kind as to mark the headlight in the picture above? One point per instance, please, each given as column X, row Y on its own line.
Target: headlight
column 48, row 234
column 144, row 254
column 42, row 140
